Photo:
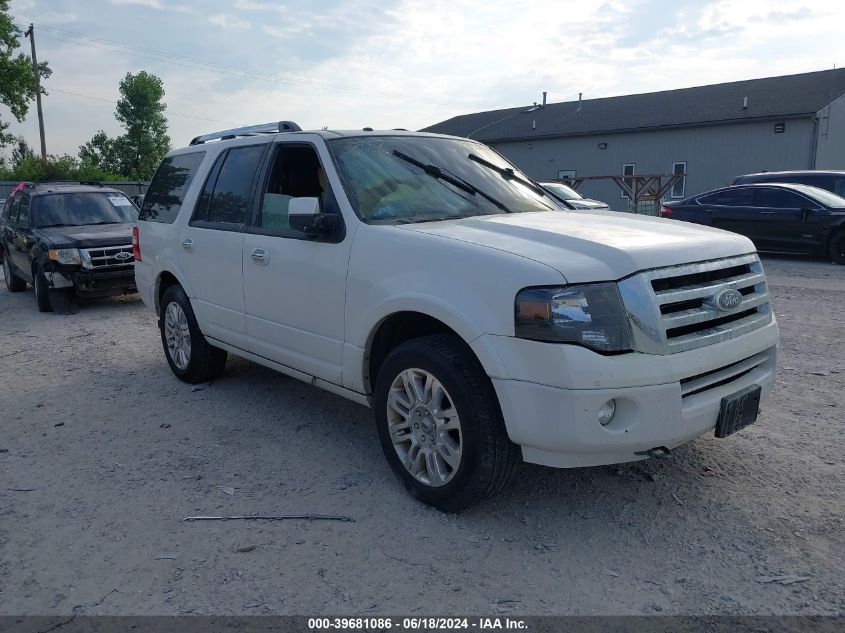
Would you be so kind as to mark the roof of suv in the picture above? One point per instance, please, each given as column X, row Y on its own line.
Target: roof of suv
column 325, row 134
column 795, row 172
column 37, row 188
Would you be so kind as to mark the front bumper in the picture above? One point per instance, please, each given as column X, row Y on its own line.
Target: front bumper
column 661, row 401
column 93, row 282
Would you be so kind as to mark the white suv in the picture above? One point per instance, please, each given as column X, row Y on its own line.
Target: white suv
column 426, row 277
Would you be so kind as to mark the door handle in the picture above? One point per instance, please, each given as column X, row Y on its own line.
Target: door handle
column 259, row 256
column 767, row 212
column 188, row 244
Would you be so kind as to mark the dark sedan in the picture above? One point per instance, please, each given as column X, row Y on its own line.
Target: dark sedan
column 779, row 217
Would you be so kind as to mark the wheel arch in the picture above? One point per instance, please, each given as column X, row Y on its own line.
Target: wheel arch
column 404, row 325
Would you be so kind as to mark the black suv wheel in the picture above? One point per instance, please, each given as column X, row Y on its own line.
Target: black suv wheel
column 189, row 355
column 440, row 425
column 13, row 282
column 42, row 291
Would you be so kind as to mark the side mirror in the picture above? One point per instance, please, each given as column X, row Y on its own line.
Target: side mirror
column 304, row 216
column 137, row 200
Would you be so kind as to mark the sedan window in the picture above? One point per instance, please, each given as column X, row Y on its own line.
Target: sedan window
column 780, row 199
column 742, row 197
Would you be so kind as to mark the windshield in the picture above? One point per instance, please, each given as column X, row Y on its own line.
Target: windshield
column 821, row 195
column 562, row 191
column 75, row 209
column 419, row 179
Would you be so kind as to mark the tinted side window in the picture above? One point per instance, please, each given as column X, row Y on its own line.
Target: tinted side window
column 834, row 184
column 23, row 211
column 201, row 209
column 167, row 190
column 780, row 199
column 731, row 198
column 231, row 192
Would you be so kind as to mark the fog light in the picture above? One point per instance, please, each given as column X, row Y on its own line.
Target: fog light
column 607, row 411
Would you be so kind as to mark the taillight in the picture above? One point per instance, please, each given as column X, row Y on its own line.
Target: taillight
column 136, row 245
column 665, row 211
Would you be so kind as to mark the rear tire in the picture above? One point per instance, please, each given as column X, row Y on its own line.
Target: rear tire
column 189, row 355
column 451, row 435
column 13, row 282
column 836, row 248
column 42, row 291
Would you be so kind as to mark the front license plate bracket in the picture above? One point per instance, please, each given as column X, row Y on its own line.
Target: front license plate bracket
column 738, row 411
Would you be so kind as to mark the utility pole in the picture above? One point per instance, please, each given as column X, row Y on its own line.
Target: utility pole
column 30, row 33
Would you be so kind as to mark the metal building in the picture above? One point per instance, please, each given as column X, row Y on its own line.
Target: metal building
column 712, row 133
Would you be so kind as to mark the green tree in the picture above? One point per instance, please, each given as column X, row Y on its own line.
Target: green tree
column 100, row 152
column 17, row 83
column 21, row 151
column 140, row 110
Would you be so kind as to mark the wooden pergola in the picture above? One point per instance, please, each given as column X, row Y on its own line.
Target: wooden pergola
column 642, row 188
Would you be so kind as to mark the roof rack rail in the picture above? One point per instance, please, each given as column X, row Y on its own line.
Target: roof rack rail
column 249, row 130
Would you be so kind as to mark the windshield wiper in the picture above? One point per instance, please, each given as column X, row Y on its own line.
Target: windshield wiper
column 508, row 174
column 442, row 174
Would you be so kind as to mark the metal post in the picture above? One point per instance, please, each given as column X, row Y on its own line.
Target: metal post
column 30, row 33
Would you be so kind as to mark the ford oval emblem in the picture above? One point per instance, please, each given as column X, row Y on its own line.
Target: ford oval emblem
column 727, row 300
column 123, row 255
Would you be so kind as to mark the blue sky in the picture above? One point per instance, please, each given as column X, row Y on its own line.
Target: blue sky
column 404, row 63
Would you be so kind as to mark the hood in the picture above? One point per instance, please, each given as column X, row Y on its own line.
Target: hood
column 592, row 245
column 90, row 236
column 588, row 203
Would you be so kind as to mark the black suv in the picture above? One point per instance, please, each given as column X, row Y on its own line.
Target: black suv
column 778, row 217
column 68, row 240
column 833, row 181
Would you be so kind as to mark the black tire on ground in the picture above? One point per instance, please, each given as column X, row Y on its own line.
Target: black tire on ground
column 206, row 362
column 42, row 291
column 13, row 282
column 488, row 458
column 836, row 248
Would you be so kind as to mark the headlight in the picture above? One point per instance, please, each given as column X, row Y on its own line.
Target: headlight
column 591, row 315
column 66, row 256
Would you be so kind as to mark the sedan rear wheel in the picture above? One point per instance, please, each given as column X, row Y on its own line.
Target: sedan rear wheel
column 836, row 250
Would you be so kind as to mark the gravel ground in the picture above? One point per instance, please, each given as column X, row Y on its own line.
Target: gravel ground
column 104, row 453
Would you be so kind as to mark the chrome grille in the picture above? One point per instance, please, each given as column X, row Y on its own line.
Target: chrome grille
column 108, row 257
column 683, row 315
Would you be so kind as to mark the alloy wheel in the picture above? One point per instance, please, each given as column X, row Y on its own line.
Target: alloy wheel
column 177, row 335
column 424, row 427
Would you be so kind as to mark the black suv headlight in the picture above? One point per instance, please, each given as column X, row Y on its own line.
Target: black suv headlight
column 590, row 315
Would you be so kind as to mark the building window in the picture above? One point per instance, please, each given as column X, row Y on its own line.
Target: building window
column 780, row 127
column 679, row 187
column 628, row 170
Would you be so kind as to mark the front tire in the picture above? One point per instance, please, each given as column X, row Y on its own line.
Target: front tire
column 440, row 425
column 42, row 291
column 189, row 355
column 13, row 282
column 836, row 248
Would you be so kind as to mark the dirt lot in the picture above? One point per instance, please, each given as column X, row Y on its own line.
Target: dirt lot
column 104, row 453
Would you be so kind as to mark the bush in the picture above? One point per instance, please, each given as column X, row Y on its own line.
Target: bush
column 63, row 167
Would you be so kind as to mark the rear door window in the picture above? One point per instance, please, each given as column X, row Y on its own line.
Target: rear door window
column 227, row 192
column 742, row 197
column 167, row 190
column 23, row 211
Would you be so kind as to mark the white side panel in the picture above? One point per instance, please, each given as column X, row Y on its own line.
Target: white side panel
column 295, row 302
column 213, row 264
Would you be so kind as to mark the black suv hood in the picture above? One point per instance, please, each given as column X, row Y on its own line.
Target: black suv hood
column 88, row 236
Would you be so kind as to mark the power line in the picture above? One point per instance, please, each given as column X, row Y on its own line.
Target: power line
column 195, row 63
column 169, row 113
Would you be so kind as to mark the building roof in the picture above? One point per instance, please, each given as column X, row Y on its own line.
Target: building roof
column 783, row 97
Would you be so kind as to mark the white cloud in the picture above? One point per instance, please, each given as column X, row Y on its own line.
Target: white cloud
column 416, row 62
column 229, row 21
column 153, row 4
